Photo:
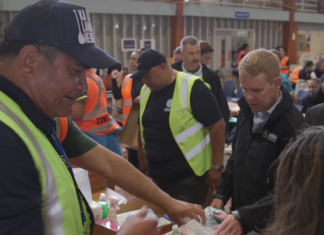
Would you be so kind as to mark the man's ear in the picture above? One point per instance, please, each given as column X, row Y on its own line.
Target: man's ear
column 28, row 57
column 164, row 66
column 278, row 82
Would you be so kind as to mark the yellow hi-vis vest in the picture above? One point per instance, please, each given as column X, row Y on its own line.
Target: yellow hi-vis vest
column 60, row 207
column 190, row 135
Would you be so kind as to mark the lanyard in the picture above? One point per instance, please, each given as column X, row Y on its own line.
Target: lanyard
column 59, row 149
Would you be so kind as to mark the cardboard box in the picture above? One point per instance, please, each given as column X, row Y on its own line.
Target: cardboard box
column 106, row 227
column 170, row 60
column 108, row 192
column 232, row 105
column 99, row 182
column 129, row 135
column 96, row 181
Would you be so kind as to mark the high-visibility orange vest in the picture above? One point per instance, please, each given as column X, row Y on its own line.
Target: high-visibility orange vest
column 284, row 63
column 294, row 76
column 62, row 127
column 126, row 91
column 95, row 119
column 239, row 58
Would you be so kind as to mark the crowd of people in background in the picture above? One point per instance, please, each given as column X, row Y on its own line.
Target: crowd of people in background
column 270, row 119
column 277, row 120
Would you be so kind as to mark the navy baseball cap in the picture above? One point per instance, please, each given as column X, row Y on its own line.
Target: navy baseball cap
column 62, row 24
column 147, row 60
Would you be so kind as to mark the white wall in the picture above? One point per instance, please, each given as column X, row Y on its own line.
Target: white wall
column 107, row 6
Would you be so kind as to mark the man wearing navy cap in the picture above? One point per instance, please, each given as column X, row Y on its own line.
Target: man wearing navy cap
column 182, row 136
column 46, row 50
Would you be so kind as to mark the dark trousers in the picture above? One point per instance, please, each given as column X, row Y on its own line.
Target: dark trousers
column 192, row 189
column 132, row 157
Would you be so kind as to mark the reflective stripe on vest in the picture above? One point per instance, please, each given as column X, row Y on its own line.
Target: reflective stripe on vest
column 96, row 110
column 96, row 119
column 107, row 126
column 128, row 103
column 284, row 63
column 126, row 90
column 94, row 114
column 191, row 136
column 126, row 81
column 294, row 76
column 60, row 207
column 142, row 96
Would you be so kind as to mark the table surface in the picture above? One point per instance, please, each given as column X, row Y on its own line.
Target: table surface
column 108, row 192
column 232, row 104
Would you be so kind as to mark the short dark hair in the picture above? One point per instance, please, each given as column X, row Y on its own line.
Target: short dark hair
column 308, row 63
column 191, row 40
column 10, row 49
column 244, row 46
column 317, row 80
column 177, row 50
column 205, row 47
column 281, row 47
column 319, row 63
column 275, row 51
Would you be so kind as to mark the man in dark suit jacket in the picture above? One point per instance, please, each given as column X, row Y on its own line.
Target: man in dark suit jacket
column 315, row 115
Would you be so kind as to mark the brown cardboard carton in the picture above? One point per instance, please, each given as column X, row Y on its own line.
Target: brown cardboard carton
column 99, row 182
column 103, row 227
column 96, row 181
column 170, row 60
column 129, row 134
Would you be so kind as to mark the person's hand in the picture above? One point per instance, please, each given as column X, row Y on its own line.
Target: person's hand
column 114, row 74
column 293, row 97
column 230, row 225
column 214, row 178
column 138, row 225
column 178, row 210
column 217, row 203
column 234, row 113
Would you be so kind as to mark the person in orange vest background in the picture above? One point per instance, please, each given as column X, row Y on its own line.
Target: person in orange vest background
column 92, row 117
column 294, row 76
column 245, row 48
column 284, row 64
column 128, row 91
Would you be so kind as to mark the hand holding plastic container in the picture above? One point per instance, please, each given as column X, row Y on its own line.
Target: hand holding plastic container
column 113, row 208
column 175, row 230
column 103, row 202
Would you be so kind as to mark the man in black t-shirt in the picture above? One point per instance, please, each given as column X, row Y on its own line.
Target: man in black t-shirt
column 42, row 74
column 168, row 161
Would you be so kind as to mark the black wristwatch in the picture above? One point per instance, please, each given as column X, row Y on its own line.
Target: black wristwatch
column 219, row 168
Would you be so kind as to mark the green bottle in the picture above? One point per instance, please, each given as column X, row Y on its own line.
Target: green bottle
column 219, row 212
column 103, row 202
column 175, row 230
